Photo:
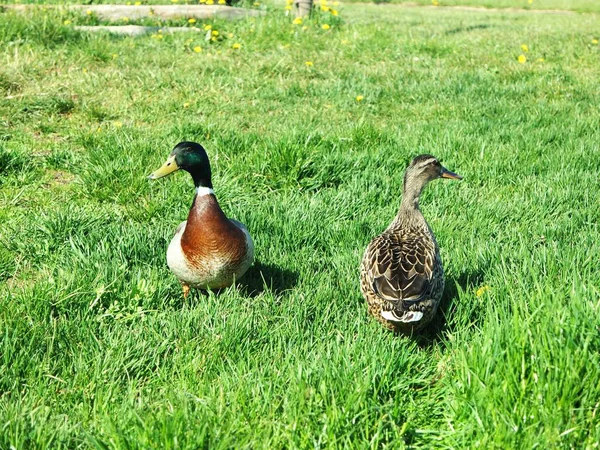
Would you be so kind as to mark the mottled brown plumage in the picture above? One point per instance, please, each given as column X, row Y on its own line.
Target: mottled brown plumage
column 401, row 274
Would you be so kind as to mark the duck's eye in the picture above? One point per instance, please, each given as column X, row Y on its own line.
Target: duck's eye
column 168, row 164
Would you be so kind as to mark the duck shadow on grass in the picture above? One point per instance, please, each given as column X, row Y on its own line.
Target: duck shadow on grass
column 263, row 277
column 434, row 331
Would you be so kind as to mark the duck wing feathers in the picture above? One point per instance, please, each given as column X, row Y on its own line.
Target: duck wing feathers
column 401, row 268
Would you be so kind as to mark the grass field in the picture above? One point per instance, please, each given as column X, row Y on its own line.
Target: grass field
column 98, row 349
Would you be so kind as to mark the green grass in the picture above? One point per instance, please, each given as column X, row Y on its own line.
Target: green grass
column 98, row 349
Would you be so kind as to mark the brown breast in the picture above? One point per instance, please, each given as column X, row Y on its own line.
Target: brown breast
column 209, row 234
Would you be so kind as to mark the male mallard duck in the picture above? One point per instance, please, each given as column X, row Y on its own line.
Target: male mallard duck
column 208, row 251
column 401, row 274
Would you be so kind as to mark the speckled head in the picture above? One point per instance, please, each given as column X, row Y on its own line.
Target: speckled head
column 422, row 170
column 191, row 157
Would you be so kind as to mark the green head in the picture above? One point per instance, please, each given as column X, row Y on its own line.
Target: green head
column 188, row 156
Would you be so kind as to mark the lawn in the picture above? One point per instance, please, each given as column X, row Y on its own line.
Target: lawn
column 309, row 131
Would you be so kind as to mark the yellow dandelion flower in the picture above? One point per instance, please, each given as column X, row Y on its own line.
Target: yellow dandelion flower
column 117, row 124
column 98, row 130
column 530, row 1
column 89, row 12
column 334, row 12
column 336, row 3
column 325, row 8
column 236, row 46
column 289, row 2
column 215, row 33
column 115, row 56
column 435, row 3
column 137, row 3
column 309, row 63
column 229, row 35
column 207, row 27
column 186, row 105
column 522, row 59
column 213, row 39
column 84, row 70
column 325, row 26
column 482, row 290
column 345, row 41
column 210, row 2
column 128, row 3
column 256, row 3
column 67, row 22
column 525, row 48
column 197, row 49
column 595, row 41
column 125, row 19
column 222, row 2
column 192, row 21
column 540, row 60
column 174, row 1
column 159, row 30
column 297, row 21
column 288, row 7
column 360, row 98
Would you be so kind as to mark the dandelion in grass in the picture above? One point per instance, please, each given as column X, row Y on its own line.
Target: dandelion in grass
column 360, row 98
column 334, row 12
column 522, row 59
column 126, row 19
column 117, row 124
column 115, row 56
column 192, row 21
column 210, row 2
column 186, row 105
column 304, row 28
column 89, row 12
column 174, row 1
column 288, row 7
column 236, row 46
column 325, row 8
column 595, row 41
column 215, row 33
column 530, row 1
column 297, row 21
column 67, row 22
column 482, row 290
column 345, row 42
column 197, row 49
column 229, row 35
column 540, row 60
column 256, row 3
column 435, row 2
column 336, row 3
column 137, row 3
column 222, row 2
column 207, row 27
column 325, row 26
column 309, row 63
column 525, row 48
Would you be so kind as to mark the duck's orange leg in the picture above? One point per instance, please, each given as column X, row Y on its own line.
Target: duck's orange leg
column 186, row 289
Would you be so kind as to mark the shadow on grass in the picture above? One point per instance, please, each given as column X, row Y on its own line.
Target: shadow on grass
column 434, row 331
column 267, row 277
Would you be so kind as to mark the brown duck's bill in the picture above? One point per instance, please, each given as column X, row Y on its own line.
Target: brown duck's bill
column 447, row 174
column 168, row 167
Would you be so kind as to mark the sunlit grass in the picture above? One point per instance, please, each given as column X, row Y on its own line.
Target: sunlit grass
column 99, row 349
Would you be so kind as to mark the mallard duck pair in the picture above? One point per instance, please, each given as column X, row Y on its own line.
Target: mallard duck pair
column 401, row 274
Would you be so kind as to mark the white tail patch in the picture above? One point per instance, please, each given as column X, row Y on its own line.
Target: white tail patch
column 408, row 316
column 202, row 190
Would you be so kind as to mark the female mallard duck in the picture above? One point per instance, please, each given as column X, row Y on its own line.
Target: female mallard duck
column 209, row 251
column 401, row 275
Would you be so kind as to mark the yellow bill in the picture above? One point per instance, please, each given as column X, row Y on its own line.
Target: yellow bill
column 168, row 167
